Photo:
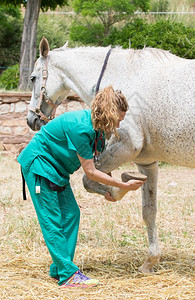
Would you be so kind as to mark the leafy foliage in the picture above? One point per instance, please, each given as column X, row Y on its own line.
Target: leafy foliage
column 107, row 12
column 164, row 34
column 10, row 35
column 92, row 33
column 28, row 47
column 10, row 78
column 45, row 4
column 138, row 33
column 54, row 29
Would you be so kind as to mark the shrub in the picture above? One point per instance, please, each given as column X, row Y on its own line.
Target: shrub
column 164, row 34
column 54, row 28
column 10, row 78
column 93, row 33
column 10, row 35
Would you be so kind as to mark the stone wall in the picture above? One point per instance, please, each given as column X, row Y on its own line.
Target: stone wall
column 14, row 131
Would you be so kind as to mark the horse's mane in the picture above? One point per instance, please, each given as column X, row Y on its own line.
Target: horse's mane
column 158, row 54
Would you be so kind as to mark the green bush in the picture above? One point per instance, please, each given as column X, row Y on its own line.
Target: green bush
column 91, row 34
column 54, row 29
column 164, row 34
column 9, row 79
column 10, row 35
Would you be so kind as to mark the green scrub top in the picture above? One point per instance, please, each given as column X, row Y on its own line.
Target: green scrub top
column 52, row 152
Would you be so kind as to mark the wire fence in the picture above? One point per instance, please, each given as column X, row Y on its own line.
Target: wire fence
column 13, row 67
column 135, row 13
column 165, row 13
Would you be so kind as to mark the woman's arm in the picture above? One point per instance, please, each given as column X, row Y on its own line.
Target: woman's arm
column 93, row 174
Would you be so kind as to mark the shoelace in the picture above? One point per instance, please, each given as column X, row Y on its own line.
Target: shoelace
column 79, row 277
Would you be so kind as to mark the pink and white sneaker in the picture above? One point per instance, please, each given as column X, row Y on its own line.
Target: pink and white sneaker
column 80, row 280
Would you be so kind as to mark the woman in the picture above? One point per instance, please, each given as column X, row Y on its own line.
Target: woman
column 55, row 152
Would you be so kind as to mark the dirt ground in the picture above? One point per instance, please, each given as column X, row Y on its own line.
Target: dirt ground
column 112, row 241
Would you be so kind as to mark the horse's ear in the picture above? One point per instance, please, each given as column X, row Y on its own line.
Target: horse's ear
column 65, row 45
column 44, row 47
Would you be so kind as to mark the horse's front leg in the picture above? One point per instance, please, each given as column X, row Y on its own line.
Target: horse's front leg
column 149, row 211
column 115, row 154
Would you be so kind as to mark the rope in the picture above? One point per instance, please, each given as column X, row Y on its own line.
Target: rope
column 102, row 71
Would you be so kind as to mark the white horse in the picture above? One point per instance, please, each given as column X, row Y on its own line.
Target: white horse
column 160, row 122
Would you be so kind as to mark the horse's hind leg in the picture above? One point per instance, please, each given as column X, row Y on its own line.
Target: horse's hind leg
column 149, row 210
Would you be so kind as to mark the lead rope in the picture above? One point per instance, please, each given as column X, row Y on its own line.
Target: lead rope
column 96, row 91
column 102, row 71
column 23, row 186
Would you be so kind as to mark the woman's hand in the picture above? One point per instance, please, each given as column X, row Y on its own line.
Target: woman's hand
column 133, row 185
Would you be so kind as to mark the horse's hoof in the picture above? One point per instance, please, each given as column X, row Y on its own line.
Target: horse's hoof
column 145, row 269
column 126, row 176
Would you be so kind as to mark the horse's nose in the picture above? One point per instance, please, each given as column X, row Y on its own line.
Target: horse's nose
column 31, row 122
column 34, row 121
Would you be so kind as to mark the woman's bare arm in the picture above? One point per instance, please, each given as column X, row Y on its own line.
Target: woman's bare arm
column 93, row 174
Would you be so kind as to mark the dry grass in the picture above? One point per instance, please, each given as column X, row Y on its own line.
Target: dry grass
column 111, row 246
column 188, row 19
column 181, row 11
column 181, row 5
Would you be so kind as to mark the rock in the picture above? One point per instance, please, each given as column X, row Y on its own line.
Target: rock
column 10, row 148
column 20, row 107
column 1, row 146
column 4, row 109
column 21, row 131
column 5, row 130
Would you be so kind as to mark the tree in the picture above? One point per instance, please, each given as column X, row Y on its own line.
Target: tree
column 29, row 36
column 10, row 35
column 106, row 12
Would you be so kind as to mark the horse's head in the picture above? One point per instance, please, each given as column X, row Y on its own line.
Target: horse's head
column 48, row 90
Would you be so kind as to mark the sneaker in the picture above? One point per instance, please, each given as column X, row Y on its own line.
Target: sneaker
column 80, row 280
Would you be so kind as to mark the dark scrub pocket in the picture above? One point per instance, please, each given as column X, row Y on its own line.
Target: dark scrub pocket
column 55, row 187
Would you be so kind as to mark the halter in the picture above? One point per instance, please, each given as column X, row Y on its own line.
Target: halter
column 43, row 95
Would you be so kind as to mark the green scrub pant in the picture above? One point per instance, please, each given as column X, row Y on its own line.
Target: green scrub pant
column 59, row 216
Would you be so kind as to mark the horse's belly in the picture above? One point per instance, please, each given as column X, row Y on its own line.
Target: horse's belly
column 174, row 151
column 177, row 144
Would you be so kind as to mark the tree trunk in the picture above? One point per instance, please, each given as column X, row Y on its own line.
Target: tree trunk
column 28, row 46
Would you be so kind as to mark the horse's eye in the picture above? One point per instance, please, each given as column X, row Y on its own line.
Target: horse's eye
column 32, row 78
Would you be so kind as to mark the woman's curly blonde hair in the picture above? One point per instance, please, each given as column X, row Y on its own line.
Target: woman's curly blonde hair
column 105, row 109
